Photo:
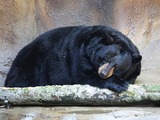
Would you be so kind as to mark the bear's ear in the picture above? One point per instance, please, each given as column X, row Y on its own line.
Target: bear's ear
column 136, row 58
column 107, row 39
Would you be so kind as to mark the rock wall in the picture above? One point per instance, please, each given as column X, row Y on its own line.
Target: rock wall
column 22, row 20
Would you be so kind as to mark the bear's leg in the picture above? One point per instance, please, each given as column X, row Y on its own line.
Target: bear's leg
column 113, row 83
column 116, row 84
column 25, row 69
column 16, row 78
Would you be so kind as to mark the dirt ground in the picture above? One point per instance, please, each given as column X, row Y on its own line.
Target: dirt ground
column 89, row 112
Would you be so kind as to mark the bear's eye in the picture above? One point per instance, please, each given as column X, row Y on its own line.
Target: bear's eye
column 116, row 66
column 100, row 60
column 108, row 60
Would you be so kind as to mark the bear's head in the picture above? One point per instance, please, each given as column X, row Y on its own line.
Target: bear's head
column 112, row 60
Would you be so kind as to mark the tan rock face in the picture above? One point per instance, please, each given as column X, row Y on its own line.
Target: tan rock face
column 22, row 20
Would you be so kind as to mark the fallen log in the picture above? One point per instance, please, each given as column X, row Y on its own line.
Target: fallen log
column 80, row 95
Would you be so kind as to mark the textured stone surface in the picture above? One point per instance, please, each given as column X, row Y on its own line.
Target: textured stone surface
column 80, row 113
column 22, row 20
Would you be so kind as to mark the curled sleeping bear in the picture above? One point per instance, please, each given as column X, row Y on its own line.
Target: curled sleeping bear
column 99, row 56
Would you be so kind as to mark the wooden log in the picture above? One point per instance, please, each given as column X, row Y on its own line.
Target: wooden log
column 80, row 95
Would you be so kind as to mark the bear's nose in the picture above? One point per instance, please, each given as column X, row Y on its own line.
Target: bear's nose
column 102, row 75
column 106, row 71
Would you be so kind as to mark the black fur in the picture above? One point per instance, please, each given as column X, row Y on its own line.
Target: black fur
column 72, row 55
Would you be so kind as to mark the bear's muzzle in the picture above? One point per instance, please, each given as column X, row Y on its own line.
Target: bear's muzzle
column 106, row 70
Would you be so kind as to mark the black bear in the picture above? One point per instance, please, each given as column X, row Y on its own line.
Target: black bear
column 96, row 55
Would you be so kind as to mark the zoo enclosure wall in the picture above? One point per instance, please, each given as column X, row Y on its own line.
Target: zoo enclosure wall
column 23, row 20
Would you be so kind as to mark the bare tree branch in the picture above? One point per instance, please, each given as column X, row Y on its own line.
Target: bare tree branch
column 80, row 95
